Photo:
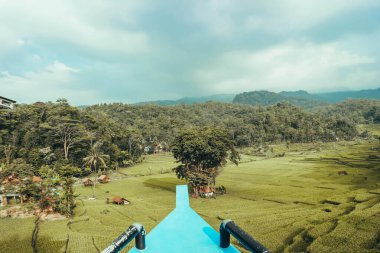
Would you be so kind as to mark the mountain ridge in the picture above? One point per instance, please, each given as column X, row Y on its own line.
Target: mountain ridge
column 300, row 98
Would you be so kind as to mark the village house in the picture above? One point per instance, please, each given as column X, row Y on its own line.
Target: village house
column 120, row 201
column 206, row 191
column 36, row 179
column 11, row 180
column 6, row 103
column 8, row 190
column 103, row 179
column 87, row 182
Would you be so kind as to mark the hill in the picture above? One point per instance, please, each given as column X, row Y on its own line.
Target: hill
column 299, row 98
column 224, row 98
column 334, row 97
column 302, row 98
column 265, row 98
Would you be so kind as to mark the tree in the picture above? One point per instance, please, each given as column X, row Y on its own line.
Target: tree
column 96, row 157
column 202, row 151
column 69, row 134
column 68, row 197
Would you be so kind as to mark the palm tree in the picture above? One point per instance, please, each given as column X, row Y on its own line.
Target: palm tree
column 95, row 158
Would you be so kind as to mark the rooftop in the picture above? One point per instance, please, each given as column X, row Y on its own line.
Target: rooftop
column 6, row 103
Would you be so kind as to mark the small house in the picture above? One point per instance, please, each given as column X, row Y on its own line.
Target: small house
column 11, row 180
column 87, row 182
column 103, row 179
column 120, row 201
column 6, row 103
column 206, row 191
column 13, row 198
column 36, row 179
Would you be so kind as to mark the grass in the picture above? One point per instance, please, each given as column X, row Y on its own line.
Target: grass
column 295, row 203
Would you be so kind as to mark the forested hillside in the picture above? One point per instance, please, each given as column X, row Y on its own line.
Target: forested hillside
column 55, row 134
column 358, row 111
column 247, row 125
column 334, row 97
column 298, row 98
column 226, row 98
column 302, row 98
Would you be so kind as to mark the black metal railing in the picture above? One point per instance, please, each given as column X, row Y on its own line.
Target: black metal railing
column 136, row 231
column 228, row 227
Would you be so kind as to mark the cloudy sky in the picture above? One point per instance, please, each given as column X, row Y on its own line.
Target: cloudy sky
column 136, row 50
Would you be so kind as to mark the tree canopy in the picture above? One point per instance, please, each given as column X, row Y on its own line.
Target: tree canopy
column 202, row 151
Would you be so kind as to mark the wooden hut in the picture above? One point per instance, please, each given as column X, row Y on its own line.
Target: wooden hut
column 120, row 200
column 11, row 180
column 103, row 179
column 206, row 191
column 87, row 182
column 36, row 179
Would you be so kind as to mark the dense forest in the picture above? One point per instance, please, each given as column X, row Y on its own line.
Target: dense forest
column 57, row 133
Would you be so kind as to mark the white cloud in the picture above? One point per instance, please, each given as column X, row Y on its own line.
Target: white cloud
column 289, row 66
column 54, row 81
column 59, row 67
column 224, row 17
column 96, row 25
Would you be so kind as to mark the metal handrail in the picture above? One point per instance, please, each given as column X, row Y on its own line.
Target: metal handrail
column 228, row 227
column 135, row 231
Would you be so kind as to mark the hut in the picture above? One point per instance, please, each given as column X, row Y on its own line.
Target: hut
column 36, row 179
column 11, row 180
column 206, row 191
column 120, row 200
column 103, row 179
column 87, row 182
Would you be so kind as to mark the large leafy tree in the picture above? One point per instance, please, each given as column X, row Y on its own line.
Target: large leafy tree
column 202, row 151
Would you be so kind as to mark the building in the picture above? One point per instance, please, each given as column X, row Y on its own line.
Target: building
column 6, row 103
column 13, row 198
column 103, row 179
column 87, row 182
column 36, row 179
column 120, row 200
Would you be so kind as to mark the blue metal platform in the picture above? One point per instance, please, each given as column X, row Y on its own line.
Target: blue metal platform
column 183, row 230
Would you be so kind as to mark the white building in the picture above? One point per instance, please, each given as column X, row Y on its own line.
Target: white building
column 6, row 103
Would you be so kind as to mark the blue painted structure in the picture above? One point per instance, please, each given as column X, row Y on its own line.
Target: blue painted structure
column 183, row 230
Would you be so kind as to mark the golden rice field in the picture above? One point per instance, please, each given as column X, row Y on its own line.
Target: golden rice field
column 296, row 203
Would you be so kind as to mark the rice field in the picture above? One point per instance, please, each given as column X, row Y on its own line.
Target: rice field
column 295, row 203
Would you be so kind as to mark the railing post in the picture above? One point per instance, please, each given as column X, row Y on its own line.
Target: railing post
column 228, row 227
column 135, row 231
column 140, row 239
column 224, row 235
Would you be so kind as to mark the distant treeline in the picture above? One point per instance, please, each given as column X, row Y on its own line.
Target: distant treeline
column 302, row 98
column 299, row 98
column 57, row 133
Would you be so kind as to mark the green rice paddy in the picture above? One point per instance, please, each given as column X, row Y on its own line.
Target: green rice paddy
column 295, row 203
